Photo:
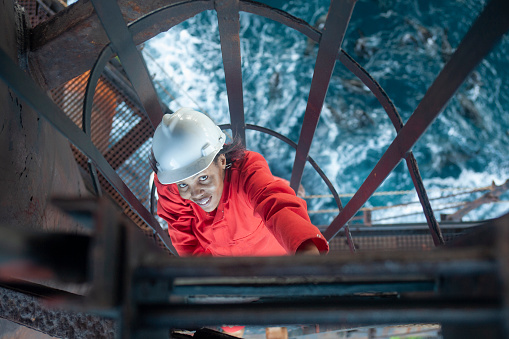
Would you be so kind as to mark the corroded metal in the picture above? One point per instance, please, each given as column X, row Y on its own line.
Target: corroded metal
column 67, row 45
column 30, row 310
column 229, row 28
column 87, row 109
column 334, row 30
column 133, row 63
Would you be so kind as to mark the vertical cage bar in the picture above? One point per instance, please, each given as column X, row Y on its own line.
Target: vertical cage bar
column 229, row 30
column 334, row 30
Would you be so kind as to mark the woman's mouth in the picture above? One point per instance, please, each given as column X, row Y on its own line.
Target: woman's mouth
column 203, row 202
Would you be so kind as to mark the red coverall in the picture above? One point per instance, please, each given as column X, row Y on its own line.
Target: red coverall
column 258, row 215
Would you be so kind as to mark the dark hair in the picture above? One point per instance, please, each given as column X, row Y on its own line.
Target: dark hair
column 233, row 151
column 152, row 160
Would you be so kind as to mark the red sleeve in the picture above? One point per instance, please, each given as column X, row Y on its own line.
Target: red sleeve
column 180, row 217
column 284, row 214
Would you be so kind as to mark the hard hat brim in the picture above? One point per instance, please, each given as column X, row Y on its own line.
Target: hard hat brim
column 186, row 172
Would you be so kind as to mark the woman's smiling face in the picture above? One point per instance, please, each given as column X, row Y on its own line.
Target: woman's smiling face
column 205, row 188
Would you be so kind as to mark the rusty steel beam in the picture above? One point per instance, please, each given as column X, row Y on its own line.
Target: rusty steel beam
column 132, row 61
column 334, row 30
column 229, row 28
column 364, row 265
column 487, row 30
column 343, row 312
column 86, row 115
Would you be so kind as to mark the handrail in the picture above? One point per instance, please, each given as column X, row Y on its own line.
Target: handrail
column 88, row 101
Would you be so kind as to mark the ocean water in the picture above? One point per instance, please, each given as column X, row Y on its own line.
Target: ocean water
column 403, row 45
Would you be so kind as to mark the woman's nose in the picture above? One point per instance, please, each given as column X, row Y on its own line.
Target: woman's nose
column 196, row 192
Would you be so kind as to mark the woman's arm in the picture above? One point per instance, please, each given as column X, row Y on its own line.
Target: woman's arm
column 283, row 213
column 308, row 247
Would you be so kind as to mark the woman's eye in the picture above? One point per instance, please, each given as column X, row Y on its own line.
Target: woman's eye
column 204, row 177
column 182, row 185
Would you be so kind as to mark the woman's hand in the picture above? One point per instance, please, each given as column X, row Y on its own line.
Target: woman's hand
column 308, row 247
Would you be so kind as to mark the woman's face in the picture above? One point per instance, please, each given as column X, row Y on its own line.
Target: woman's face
column 205, row 188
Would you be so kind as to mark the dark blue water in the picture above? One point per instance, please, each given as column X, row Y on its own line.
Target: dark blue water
column 403, row 45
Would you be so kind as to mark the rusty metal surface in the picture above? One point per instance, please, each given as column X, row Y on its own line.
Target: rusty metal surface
column 113, row 98
column 87, row 112
column 32, row 311
column 67, row 45
column 334, row 30
column 338, row 311
column 229, row 28
column 133, row 63
column 36, row 162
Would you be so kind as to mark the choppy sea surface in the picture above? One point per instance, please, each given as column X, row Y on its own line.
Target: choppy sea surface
column 403, row 45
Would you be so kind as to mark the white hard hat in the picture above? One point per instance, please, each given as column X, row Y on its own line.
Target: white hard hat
column 184, row 144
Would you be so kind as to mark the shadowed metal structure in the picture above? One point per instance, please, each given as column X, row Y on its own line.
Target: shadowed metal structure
column 462, row 62
column 160, row 292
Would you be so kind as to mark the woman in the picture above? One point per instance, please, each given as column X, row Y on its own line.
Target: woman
column 222, row 200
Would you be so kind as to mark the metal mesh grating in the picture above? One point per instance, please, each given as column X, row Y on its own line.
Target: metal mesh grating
column 121, row 132
column 35, row 12
column 389, row 242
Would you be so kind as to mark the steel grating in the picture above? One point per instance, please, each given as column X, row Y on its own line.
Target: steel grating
column 400, row 242
column 121, row 132
column 35, row 12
